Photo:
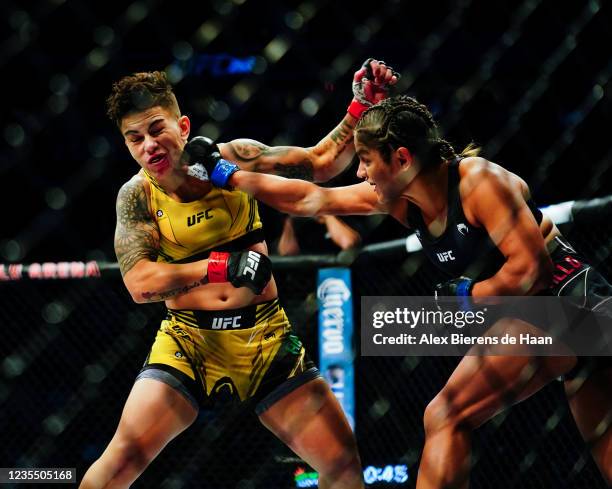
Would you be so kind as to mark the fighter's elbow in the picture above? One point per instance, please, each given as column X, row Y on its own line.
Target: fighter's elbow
column 302, row 208
column 136, row 291
column 329, row 167
column 135, row 282
column 323, row 169
column 138, row 298
column 533, row 277
column 320, row 163
column 309, row 205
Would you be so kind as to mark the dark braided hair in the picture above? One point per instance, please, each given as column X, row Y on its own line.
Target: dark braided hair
column 403, row 121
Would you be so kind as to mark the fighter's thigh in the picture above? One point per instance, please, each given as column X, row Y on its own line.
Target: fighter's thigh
column 482, row 386
column 154, row 414
column 311, row 422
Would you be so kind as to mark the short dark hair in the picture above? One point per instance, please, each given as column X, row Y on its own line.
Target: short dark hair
column 138, row 92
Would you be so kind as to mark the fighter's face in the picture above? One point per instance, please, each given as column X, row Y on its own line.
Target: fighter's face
column 376, row 171
column 155, row 138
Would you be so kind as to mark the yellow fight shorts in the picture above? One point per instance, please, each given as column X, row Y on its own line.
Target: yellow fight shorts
column 216, row 357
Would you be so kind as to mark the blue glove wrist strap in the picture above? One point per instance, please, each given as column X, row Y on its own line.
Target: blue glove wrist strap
column 464, row 287
column 221, row 173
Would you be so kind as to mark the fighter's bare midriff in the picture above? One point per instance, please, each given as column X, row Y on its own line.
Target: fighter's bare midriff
column 213, row 297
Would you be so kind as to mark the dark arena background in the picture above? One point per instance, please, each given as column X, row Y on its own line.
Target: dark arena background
column 528, row 80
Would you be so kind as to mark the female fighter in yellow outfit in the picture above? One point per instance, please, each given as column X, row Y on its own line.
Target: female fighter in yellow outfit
column 201, row 250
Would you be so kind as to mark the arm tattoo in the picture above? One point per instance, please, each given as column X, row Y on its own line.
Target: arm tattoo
column 136, row 235
column 247, row 149
column 278, row 160
column 162, row 296
column 342, row 134
column 303, row 171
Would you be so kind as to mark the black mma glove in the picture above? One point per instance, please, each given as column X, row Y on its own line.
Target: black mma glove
column 242, row 269
column 202, row 156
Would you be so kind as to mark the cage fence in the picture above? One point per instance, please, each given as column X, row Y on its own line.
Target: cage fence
column 72, row 347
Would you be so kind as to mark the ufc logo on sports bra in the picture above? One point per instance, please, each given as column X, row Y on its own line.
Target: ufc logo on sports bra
column 224, row 323
column 445, row 256
column 196, row 218
column 252, row 264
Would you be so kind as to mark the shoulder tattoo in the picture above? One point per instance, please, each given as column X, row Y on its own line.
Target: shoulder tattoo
column 136, row 235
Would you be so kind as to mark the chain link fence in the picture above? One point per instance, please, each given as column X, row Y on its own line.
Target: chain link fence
column 71, row 350
column 526, row 78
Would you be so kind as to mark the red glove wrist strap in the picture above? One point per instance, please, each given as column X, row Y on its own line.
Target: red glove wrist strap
column 356, row 108
column 217, row 267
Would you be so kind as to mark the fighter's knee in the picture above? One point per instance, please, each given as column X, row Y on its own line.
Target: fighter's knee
column 129, row 456
column 434, row 416
column 440, row 414
column 119, row 465
column 344, row 467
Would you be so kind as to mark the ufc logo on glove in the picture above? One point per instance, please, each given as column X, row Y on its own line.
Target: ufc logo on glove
column 242, row 269
column 252, row 264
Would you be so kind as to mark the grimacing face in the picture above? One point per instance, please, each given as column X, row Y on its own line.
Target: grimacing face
column 155, row 138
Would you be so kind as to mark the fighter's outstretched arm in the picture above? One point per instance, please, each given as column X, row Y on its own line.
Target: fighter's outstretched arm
column 334, row 152
column 301, row 198
column 318, row 163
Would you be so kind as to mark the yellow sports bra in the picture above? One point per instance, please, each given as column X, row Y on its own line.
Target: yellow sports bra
column 220, row 221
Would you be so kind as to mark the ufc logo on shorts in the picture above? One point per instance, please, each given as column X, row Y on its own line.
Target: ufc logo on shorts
column 252, row 264
column 445, row 256
column 224, row 323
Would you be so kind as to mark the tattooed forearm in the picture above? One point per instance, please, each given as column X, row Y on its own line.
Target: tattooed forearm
column 320, row 161
column 247, row 150
column 285, row 161
column 342, row 134
column 162, row 296
column 303, row 171
column 136, row 235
